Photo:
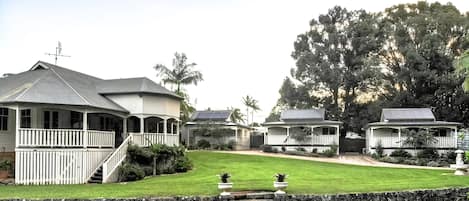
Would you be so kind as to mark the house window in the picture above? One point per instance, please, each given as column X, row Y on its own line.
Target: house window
column 328, row 131
column 105, row 123
column 3, row 119
column 440, row 132
column 76, row 120
column 26, row 118
column 51, row 119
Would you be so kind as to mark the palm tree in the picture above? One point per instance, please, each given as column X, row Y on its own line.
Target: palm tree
column 254, row 108
column 252, row 104
column 236, row 115
column 462, row 65
column 247, row 101
column 182, row 73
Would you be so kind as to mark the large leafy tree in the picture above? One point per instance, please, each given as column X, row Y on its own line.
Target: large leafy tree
column 337, row 60
column 422, row 42
column 182, row 73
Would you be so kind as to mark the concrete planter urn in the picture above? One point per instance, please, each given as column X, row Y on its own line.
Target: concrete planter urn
column 224, row 185
column 460, row 167
column 280, row 186
column 225, row 188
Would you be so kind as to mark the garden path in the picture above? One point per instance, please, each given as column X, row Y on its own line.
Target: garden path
column 361, row 160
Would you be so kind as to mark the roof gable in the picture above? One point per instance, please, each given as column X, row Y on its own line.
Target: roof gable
column 407, row 114
column 303, row 115
column 212, row 115
column 133, row 85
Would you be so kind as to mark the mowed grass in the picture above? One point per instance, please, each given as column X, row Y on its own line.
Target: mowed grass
column 253, row 173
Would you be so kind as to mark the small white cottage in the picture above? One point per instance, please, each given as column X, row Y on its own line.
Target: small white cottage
column 203, row 121
column 321, row 133
column 389, row 130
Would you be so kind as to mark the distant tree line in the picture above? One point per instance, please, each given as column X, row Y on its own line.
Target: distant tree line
column 354, row 62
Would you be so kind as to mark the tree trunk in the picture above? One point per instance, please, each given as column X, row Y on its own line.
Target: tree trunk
column 154, row 166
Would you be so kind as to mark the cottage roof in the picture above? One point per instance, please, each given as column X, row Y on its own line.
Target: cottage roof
column 212, row 115
column 302, row 115
column 133, row 85
column 407, row 114
column 52, row 84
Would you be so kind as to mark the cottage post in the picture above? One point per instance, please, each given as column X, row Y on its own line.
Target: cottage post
column 17, row 126
column 399, row 136
column 165, row 131
column 142, row 125
column 124, row 128
column 85, row 129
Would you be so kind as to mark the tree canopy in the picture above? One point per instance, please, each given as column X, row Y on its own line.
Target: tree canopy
column 354, row 62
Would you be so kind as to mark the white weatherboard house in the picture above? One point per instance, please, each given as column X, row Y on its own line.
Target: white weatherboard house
column 238, row 133
column 389, row 130
column 66, row 127
column 322, row 133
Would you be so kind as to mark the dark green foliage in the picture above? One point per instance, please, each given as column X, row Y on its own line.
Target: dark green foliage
column 130, row 172
column 379, row 149
column 329, row 153
column 224, row 177
column 315, row 150
column 428, row 154
column 139, row 156
column 419, row 138
column 6, row 165
column 281, row 177
column 183, row 165
column 300, row 149
column 154, row 160
column 283, row 149
column 269, row 149
column 400, row 153
column 203, row 144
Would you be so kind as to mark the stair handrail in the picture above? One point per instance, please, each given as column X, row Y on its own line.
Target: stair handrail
column 107, row 171
column 97, row 167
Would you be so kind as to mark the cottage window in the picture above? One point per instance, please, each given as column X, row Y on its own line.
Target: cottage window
column 26, row 118
column 328, row 131
column 3, row 119
column 76, row 120
column 51, row 119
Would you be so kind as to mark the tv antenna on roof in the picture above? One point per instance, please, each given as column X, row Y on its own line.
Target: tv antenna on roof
column 58, row 52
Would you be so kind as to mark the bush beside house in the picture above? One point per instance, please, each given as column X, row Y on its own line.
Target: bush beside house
column 154, row 160
column 300, row 151
column 425, row 157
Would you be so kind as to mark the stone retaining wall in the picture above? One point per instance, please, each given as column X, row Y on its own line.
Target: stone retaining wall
column 452, row 194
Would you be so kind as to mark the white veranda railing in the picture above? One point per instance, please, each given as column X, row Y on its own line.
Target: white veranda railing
column 34, row 137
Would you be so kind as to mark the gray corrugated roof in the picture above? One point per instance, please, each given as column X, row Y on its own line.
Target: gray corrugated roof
column 301, row 123
column 416, row 123
column 212, row 115
column 309, row 114
column 133, row 85
column 407, row 114
column 51, row 84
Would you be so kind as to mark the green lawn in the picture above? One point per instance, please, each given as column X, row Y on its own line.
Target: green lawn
column 253, row 173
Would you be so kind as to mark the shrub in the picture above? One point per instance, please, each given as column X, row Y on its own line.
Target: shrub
column 203, row 144
column 267, row 148
column 183, row 164
column 315, row 150
column 428, row 154
column 389, row 159
column 6, row 165
column 130, row 172
column 284, row 149
column 231, row 145
column 224, row 177
column 140, row 155
column 281, row 177
column 300, row 149
column 148, row 170
column 422, row 161
column 329, row 153
column 409, row 162
column 433, row 164
column 379, row 149
column 400, row 153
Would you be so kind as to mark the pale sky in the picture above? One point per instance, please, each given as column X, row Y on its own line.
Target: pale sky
column 241, row 47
